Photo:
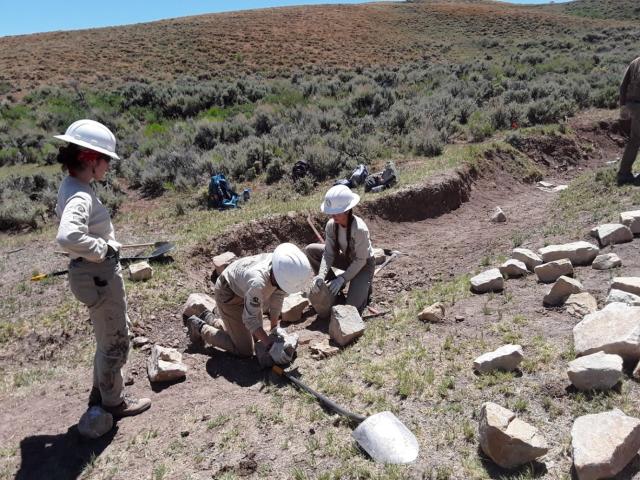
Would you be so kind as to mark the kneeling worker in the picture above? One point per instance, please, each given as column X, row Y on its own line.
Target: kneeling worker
column 243, row 290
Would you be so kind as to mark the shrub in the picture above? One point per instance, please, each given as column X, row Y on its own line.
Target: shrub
column 427, row 141
column 263, row 120
column 480, row 126
column 323, row 162
column 207, row 135
column 275, row 172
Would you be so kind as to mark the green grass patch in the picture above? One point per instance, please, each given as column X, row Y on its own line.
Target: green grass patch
column 222, row 113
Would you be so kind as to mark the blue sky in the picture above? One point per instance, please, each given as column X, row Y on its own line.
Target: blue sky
column 31, row 16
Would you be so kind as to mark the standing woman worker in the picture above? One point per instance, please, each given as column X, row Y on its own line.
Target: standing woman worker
column 95, row 278
column 347, row 247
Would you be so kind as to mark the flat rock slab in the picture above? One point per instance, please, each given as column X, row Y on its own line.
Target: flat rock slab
column 507, row 440
column 507, row 357
column 323, row 350
column 222, row 261
column 598, row 371
column 513, row 268
column 432, row 313
column 581, row 304
column 526, row 256
column 614, row 329
column 140, row 271
column 578, row 253
column 488, row 281
column 165, row 365
column 626, row 284
column 345, row 325
column 604, row 443
column 293, row 306
column 197, row 303
column 631, row 219
column 561, row 290
column 613, row 233
column 606, row 261
column 623, row 297
column 551, row 271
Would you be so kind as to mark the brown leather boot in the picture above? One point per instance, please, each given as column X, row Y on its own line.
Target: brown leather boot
column 129, row 407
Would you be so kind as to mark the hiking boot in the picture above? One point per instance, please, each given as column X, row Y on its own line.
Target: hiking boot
column 627, row 179
column 95, row 397
column 129, row 407
column 194, row 326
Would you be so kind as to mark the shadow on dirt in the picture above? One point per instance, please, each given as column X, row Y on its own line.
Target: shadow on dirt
column 60, row 457
column 533, row 469
column 244, row 372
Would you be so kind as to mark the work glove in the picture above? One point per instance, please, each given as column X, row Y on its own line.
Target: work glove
column 113, row 249
column 335, row 285
column 284, row 346
column 316, row 283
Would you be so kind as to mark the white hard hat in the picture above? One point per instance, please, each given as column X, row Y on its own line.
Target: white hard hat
column 291, row 268
column 92, row 135
column 339, row 199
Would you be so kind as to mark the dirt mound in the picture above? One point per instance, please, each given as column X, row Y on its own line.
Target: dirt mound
column 552, row 151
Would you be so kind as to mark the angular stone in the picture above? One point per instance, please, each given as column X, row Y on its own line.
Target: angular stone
column 507, row 357
column 507, row 440
column 526, row 256
column 606, row 261
column 140, row 271
column 165, row 365
column 613, row 233
column 513, row 268
column 631, row 219
column 138, row 342
column 614, row 329
column 626, row 284
column 198, row 303
column 222, row 261
column 498, row 216
column 578, row 253
column 322, row 300
column 379, row 256
column 345, row 325
column 620, row 296
column 551, row 271
column 322, row 350
column 604, row 443
column 293, row 306
column 598, row 371
column 432, row 313
column 561, row 290
column 488, row 281
column 581, row 304
column 95, row 422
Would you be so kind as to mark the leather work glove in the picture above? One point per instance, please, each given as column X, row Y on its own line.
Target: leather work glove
column 335, row 285
column 284, row 347
column 113, row 249
column 316, row 283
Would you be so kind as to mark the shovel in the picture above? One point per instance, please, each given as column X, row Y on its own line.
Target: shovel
column 382, row 435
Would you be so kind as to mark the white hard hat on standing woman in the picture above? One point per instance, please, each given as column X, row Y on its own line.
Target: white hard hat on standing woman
column 92, row 135
column 339, row 199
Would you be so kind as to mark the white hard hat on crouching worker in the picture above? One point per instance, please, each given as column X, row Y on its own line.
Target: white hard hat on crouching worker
column 291, row 268
column 92, row 135
column 339, row 199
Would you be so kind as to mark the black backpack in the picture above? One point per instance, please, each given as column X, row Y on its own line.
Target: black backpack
column 299, row 169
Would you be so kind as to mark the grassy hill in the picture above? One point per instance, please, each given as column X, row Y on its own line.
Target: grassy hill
column 627, row 10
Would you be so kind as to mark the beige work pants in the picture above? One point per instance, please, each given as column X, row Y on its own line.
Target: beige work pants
column 631, row 150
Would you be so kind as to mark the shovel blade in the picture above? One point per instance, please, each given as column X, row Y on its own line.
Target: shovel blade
column 386, row 439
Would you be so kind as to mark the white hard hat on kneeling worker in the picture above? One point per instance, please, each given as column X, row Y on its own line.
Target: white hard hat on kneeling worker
column 291, row 268
column 339, row 199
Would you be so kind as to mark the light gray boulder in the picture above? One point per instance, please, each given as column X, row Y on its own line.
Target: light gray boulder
column 626, row 284
column 581, row 304
column 197, row 303
column 322, row 300
column 613, row 233
column 578, row 253
column 620, row 296
column 561, row 290
column 506, row 439
column 95, row 422
column 140, row 271
column 165, row 365
column 614, row 329
column 379, row 256
column 551, row 271
column 598, row 371
column 606, row 261
column 498, row 216
column 508, row 357
column 432, row 313
column 631, row 219
column 345, row 325
column 526, row 256
column 513, row 268
column 222, row 261
column 603, row 444
column 293, row 306
column 487, row 281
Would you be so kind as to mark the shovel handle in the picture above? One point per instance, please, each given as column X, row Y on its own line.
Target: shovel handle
column 313, row 227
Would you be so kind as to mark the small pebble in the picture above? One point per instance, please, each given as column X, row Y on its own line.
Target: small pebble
column 184, row 433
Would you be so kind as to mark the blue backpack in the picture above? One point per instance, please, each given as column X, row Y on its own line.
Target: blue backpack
column 221, row 195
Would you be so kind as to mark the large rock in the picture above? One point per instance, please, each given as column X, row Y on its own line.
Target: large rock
column 581, row 304
column 561, row 290
column 551, row 271
column 507, row 357
column 620, row 296
column 322, row 300
column 578, row 253
column 488, row 281
column 513, row 268
column 322, row 349
column 626, row 284
column 631, row 219
column 529, row 258
column 432, row 313
column 95, row 422
column 293, row 306
column 140, row 271
column 165, row 365
column 606, row 261
column 222, row 261
column 598, row 371
column 613, row 233
column 198, row 303
column 614, row 329
column 498, row 216
column 507, row 440
column 379, row 256
column 604, row 443
column 346, row 324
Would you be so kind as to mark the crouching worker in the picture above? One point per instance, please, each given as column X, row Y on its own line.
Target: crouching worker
column 242, row 292
column 347, row 247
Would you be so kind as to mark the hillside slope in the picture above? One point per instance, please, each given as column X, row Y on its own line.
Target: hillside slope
column 605, row 9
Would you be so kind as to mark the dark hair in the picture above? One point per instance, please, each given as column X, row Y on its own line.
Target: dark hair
column 68, row 157
column 335, row 230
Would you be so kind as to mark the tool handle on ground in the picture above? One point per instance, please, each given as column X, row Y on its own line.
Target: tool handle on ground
column 42, row 276
column 324, row 400
column 313, row 227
